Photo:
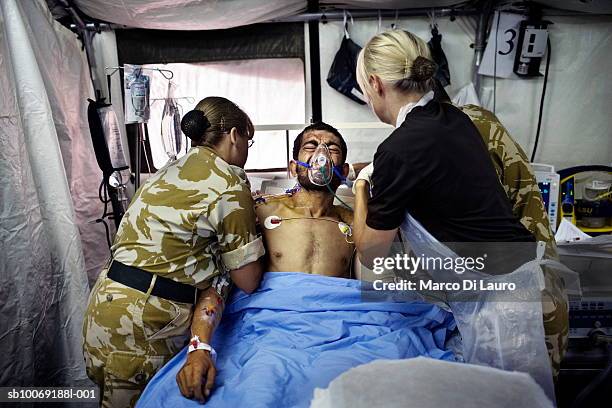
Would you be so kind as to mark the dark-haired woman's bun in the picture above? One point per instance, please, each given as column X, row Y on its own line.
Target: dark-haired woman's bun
column 423, row 69
column 194, row 124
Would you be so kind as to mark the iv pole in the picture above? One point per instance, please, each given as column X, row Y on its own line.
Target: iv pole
column 140, row 130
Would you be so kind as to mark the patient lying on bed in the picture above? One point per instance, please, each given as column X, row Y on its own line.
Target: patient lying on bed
column 299, row 331
column 303, row 231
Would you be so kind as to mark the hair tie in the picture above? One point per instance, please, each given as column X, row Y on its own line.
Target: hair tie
column 405, row 67
column 194, row 124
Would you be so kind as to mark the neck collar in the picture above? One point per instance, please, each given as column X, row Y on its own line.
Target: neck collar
column 406, row 109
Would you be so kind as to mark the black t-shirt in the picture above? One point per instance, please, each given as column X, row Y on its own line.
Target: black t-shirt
column 437, row 167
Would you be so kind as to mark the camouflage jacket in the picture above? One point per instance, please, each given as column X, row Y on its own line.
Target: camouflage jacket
column 191, row 221
column 515, row 174
column 519, row 182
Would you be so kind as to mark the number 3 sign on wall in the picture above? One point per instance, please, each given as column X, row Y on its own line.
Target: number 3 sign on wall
column 506, row 35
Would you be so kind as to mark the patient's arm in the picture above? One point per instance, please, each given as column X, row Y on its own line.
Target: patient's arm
column 197, row 377
column 248, row 277
column 370, row 243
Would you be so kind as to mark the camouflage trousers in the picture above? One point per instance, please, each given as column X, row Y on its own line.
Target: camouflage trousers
column 128, row 336
column 555, row 309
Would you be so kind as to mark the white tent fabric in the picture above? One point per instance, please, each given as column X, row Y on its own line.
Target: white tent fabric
column 189, row 14
column 213, row 14
column 391, row 4
column 575, row 126
column 47, row 164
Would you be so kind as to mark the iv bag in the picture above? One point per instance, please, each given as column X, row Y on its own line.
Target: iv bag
column 173, row 141
column 112, row 134
column 136, row 87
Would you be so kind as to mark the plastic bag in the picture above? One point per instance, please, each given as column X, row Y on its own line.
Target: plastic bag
column 172, row 138
column 112, row 134
column 506, row 334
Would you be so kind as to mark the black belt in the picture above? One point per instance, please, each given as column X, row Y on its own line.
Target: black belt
column 139, row 279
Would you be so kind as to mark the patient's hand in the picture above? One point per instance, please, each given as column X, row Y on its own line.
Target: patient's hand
column 197, row 377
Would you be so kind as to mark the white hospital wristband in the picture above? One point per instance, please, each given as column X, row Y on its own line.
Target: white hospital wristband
column 196, row 344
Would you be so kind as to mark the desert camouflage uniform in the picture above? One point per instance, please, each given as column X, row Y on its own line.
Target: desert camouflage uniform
column 192, row 222
column 519, row 182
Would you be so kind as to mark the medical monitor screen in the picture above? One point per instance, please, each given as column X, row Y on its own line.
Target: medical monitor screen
column 545, row 191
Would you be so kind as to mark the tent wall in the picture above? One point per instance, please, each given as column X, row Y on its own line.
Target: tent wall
column 574, row 128
column 576, row 124
column 48, row 189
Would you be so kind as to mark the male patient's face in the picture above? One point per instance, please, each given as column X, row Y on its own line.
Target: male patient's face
column 310, row 142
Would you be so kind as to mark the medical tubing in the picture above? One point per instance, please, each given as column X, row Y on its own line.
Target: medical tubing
column 309, row 218
column 108, row 241
column 105, row 213
column 537, row 138
column 322, row 170
column 338, row 198
column 321, row 219
column 495, row 63
column 333, row 193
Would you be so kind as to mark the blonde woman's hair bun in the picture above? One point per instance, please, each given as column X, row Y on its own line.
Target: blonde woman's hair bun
column 423, row 69
column 399, row 58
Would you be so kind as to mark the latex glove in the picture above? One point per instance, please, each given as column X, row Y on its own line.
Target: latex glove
column 365, row 174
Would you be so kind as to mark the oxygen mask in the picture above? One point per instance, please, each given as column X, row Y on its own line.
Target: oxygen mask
column 321, row 166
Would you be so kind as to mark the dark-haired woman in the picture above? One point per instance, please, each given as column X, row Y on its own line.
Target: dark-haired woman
column 188, row 233
column 434, row 165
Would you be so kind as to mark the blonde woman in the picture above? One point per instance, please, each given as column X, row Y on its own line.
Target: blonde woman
column 434, row 165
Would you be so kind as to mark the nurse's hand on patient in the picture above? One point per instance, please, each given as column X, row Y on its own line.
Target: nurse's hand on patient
column 357, row 167
column 366, row 175
column 197, row 377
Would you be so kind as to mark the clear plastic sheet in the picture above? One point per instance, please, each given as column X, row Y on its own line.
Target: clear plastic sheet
column 506, row 334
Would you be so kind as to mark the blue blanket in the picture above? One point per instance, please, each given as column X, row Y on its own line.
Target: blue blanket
column 299, row 332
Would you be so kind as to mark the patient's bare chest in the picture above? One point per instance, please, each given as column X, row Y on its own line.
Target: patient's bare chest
column 303, row 244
